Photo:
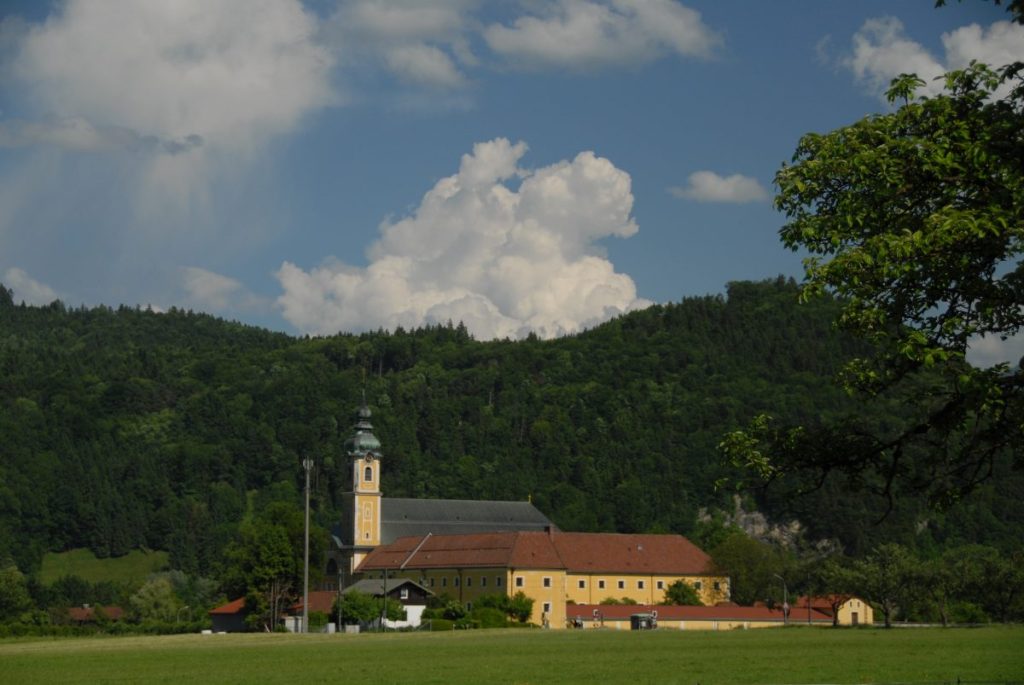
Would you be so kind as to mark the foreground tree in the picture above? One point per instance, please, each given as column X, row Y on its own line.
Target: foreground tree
column 14, row 597
column 520, row 607
column 890, row 577
column 356, row 607
column 915, row 221
column 832, row 580
column 753, row 567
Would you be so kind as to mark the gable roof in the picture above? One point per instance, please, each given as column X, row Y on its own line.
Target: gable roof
column 823, row 603
column 378, row 587
column 480, row 550
column 573, row 552
column 319, row 600
column 232, row 607
column 631, row 553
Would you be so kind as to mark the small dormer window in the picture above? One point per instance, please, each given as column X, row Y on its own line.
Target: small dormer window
column 368, row 474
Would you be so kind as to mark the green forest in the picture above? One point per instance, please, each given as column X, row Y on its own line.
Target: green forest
column 125, row 429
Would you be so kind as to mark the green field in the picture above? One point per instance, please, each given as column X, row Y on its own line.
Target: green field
column 796, row 655
column 132, row 568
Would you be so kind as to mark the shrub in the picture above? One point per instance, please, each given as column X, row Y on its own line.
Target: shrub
column 489, row 617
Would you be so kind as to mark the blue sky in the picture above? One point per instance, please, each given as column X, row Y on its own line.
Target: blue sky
column 348, row 165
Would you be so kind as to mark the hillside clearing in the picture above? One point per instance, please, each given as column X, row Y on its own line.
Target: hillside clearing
column 132, row 567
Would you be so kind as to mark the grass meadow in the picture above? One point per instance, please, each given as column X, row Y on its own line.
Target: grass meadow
column 792, row 655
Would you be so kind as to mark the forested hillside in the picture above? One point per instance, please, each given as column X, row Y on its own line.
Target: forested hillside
column 123, row 429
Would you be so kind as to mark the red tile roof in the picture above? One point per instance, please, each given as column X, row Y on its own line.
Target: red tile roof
column 88, row 614
column 621, row 612
column 574, row 552
column 319, row 600
column 822, row 603
column 518, row 549
column 616, row 553
column 232, row 607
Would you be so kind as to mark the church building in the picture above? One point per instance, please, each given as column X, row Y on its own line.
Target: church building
column 370, row 520
column 466, row 548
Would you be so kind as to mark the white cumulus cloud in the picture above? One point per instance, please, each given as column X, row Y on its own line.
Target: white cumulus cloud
column 504, row 260
column 707, row 186
column 585, row 34
column 882, row 51
column 27, row 289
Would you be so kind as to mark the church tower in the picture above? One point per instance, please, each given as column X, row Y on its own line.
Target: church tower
column 360, row 529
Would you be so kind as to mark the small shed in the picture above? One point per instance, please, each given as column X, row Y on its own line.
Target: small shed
column 230, row 617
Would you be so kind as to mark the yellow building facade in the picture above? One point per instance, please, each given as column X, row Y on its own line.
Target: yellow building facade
column 553, row 568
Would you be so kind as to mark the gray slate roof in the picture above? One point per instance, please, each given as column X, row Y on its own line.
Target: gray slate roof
column 401, row 517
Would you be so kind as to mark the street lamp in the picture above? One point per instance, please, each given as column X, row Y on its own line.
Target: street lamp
column 177, row 617
column 307, row 464
column 785, row 599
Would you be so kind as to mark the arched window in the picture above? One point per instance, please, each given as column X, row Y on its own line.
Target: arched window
column 368, row 474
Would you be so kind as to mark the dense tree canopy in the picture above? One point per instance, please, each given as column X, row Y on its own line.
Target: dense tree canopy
column 914, row 220
column 127, row 428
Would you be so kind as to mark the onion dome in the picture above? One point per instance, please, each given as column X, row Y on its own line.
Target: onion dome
column 363, row 441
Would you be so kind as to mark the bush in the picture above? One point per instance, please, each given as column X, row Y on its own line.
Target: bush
column 489, row 617
column 317, row 620
column 454, row 610
column 967, row 612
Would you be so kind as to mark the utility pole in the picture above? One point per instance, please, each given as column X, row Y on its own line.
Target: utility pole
column 785, row 599
column 307, row 464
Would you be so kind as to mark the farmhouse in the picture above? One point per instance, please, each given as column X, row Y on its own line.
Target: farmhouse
column 411, row 595
column 471, row 548
column 842, row 610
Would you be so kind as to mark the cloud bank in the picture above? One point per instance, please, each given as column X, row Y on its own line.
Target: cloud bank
column 197, row 87
column 882, row 51
column 707, row 186
column 503, row 260
column 140, row 120
column 27, row 289
column 232, row 72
